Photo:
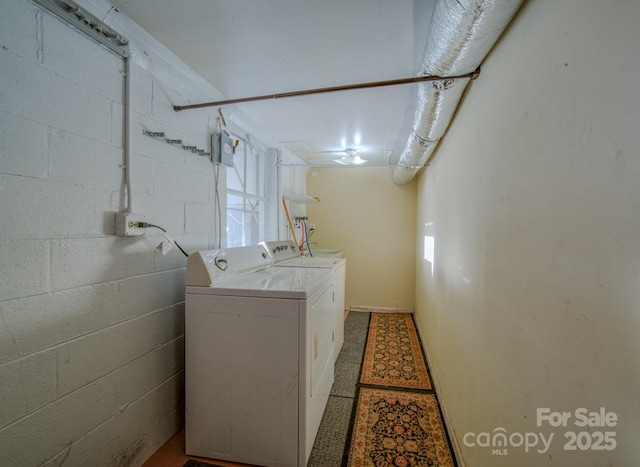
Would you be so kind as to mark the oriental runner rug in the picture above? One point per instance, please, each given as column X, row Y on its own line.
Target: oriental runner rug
column 393, row 354
column 398, row 428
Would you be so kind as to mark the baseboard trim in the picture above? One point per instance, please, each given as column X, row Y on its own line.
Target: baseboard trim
column 452, row 435
column 379, row 309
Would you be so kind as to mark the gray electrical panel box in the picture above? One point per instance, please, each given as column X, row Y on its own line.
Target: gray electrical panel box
column 223, row 148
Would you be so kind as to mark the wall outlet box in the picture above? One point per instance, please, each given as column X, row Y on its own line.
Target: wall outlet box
column 129, row 224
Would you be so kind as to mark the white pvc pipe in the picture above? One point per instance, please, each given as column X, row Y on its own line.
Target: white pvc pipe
column 460, row 36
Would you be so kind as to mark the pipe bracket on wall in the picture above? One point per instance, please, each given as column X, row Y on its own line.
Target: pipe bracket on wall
column 160, row 136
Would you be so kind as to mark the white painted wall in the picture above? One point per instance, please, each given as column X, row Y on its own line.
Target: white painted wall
column 91, row 325
column 532, row 201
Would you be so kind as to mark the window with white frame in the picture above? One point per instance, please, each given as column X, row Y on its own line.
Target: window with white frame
column 246, row 198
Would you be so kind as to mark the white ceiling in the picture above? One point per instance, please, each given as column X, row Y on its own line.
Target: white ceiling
column 246, row 48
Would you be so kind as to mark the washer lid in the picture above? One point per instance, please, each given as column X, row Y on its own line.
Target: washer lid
column 294, row 283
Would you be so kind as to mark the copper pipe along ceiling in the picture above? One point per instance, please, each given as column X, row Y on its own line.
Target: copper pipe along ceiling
column 374, row 84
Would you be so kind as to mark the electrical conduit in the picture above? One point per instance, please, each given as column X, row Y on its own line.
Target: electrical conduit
column 127, row 131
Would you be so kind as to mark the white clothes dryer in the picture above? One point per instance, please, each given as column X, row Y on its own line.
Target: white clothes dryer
column 259, row 357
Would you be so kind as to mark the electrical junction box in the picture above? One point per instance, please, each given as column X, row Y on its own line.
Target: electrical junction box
column 223, row 148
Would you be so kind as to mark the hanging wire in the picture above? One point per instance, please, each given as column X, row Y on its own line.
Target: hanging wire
column 217, row 211
column 176, row 243
column 306, row 233
column 242, row 182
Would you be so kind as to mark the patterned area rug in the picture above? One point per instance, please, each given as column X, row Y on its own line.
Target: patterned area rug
column 398, row 428
column 393, row 355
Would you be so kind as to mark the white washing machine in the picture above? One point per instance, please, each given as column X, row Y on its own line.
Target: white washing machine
column 259, row 357
column 284, row 253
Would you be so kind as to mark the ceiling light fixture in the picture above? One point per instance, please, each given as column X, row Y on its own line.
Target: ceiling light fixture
column 351, row 158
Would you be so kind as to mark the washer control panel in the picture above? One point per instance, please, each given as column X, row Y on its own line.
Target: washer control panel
column 281, row 250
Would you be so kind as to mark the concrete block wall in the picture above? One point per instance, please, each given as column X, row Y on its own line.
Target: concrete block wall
column 91, row 324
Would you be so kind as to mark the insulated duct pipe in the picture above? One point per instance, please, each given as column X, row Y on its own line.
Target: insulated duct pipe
column 460, row 36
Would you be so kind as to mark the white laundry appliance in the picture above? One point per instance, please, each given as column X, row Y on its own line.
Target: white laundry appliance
column 258, row 357
column 284, row 253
